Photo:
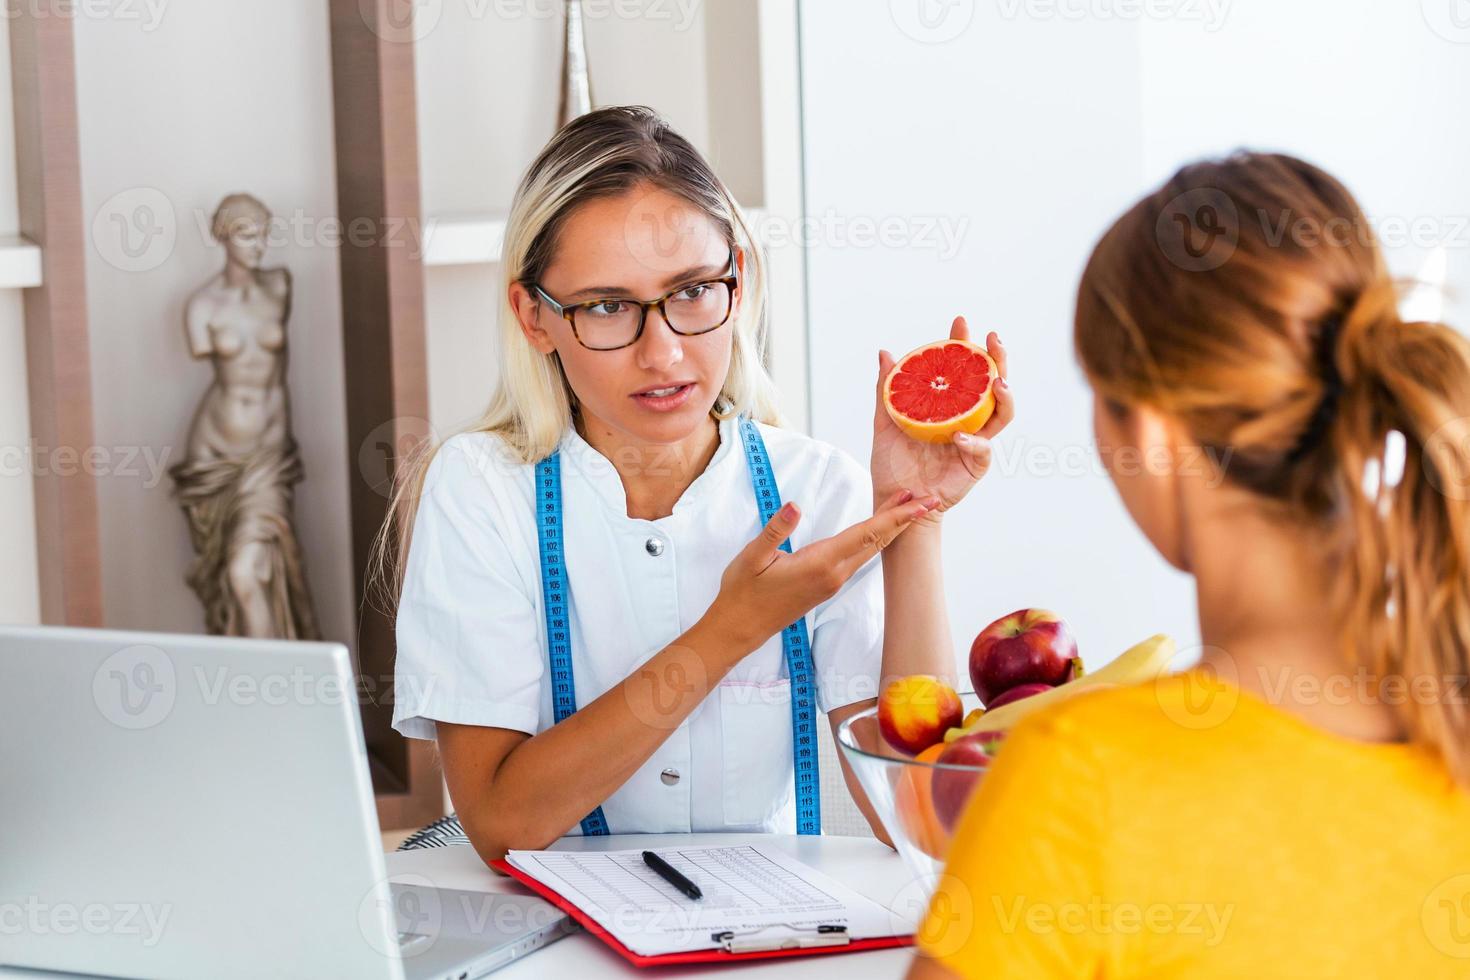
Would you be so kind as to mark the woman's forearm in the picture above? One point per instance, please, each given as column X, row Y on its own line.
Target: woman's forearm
column 542, row 787
column 916, row 634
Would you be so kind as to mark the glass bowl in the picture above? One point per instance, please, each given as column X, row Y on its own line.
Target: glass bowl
column 918, row 802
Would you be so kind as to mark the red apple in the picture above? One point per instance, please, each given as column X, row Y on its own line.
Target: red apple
column 952, row 787
column 1017, row 693
column 1030, row 646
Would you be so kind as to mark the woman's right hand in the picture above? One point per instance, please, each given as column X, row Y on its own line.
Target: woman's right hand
column 764, row 589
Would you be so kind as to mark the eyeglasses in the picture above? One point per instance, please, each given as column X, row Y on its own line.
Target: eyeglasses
column 689, row 310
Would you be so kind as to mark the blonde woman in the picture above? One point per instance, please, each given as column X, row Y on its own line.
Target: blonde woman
column 597, row 622
column 1297, row 805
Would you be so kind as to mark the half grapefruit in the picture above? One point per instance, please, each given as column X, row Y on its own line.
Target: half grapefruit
column 940, row 389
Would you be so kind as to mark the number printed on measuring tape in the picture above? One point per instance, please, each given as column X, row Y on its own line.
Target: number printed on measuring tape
column 554, row 600
column 796, row 646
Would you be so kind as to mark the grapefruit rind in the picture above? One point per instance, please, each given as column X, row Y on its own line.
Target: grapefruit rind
column 940, row 430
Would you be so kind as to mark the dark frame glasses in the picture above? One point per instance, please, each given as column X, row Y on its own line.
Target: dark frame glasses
column 569, row 312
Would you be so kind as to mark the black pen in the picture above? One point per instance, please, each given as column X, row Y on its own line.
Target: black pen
column 666, row 871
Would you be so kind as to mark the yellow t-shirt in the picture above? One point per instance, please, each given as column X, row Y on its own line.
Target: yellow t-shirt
column 1185, row 828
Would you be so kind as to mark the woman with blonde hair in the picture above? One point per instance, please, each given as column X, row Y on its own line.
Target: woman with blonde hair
column 1296, row 805
column 626, row 591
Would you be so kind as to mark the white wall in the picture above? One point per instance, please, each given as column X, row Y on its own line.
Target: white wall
column 1031, row 127
column 488, row 80
column 1367, row 89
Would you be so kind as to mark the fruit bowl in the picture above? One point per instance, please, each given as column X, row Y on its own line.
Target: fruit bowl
column 903, row 790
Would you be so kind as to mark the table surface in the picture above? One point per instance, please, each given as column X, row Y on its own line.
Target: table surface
column 862, row 863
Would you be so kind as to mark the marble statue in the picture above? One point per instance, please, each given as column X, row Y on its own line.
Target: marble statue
column 241, row 462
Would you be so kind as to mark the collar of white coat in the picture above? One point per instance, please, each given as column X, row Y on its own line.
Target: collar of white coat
column 598, row 471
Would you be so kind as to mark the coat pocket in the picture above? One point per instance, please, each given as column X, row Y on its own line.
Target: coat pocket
column 756, row 722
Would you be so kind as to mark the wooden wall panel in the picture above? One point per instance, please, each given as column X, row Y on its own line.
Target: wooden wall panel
column 58, row 354
column 383, row 340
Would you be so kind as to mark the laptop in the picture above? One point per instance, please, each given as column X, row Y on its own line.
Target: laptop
column 184, row 806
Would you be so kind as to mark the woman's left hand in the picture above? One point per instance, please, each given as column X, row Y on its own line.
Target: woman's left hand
column 927, row 469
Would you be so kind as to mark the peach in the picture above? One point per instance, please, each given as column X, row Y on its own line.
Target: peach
column 914, row 712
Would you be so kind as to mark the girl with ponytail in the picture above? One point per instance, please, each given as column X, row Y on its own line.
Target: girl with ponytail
column 1298, row 804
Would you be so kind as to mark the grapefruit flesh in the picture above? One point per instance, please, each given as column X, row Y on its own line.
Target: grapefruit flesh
column 940, row 389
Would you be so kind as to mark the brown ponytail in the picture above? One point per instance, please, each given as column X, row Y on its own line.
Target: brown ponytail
column 1248, row 298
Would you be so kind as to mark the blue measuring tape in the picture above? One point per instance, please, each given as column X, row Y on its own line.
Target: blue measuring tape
column 554, row 595
column 795, row 642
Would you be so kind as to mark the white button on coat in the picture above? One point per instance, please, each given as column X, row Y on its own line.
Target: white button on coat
column 472, row 639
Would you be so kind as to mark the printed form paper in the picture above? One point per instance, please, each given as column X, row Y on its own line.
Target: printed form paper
column 747, row 890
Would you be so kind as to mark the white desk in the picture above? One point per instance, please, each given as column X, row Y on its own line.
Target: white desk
column 861, row 863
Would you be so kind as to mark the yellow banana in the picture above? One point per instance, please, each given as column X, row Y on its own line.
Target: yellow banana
column 1140, row 662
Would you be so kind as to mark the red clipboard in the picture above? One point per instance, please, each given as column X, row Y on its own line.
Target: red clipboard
column 693, row 956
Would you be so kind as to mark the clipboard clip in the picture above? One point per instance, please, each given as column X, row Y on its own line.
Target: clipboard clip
column 799, row 937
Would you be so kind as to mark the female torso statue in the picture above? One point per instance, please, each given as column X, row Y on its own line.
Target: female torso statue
column 235, row 482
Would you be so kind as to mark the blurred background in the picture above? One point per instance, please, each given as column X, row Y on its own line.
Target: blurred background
column 903, row 160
